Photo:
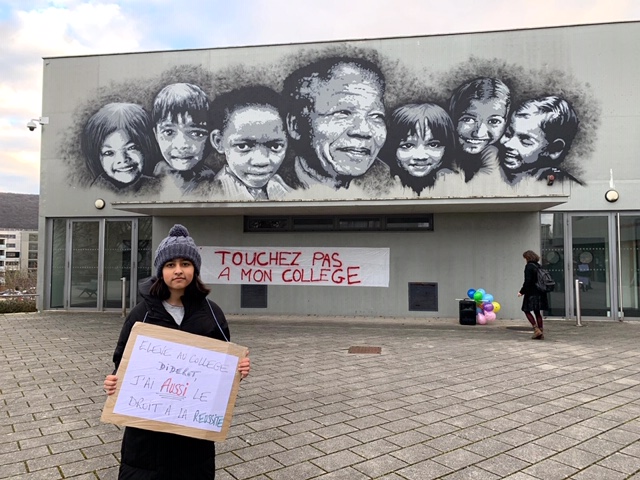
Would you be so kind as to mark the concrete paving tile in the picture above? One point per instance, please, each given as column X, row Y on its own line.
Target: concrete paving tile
column 576, row 457
column 503, row 465
column 253, row 468
column 407, row 439
column 621, row 462
column 471, row 473
column 379, row 466
column 596, row 472
column 347, row 473
column 297, row 455
column 427, row 470
column 298, row 471
column 338, row 460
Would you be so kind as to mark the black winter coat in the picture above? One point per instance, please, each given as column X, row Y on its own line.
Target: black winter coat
column 533, row 299
column 148, row 455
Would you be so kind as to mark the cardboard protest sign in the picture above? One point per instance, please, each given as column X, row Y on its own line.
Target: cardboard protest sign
column 176, row 382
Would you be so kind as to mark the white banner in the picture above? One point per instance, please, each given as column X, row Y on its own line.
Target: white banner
column 349, row 267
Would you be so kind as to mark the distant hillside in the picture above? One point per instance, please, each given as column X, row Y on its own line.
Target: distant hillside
column 19, row 211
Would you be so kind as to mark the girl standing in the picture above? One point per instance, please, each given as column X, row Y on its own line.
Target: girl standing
column 176, row 299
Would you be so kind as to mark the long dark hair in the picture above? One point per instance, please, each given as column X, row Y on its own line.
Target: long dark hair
column 195, row 289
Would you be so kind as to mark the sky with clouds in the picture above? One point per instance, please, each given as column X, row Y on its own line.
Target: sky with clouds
column 32, row 30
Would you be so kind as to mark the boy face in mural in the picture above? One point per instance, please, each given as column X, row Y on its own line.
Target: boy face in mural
column 346, row 122
column 525, row 144
column 181, row 141
column 420, row 154
column 481, row 124
column 121, row 159
column 254, row 143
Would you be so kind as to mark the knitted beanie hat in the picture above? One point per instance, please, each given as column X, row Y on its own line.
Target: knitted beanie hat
column 177, row 245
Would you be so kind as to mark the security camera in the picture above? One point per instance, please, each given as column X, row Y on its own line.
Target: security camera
column 33, row 123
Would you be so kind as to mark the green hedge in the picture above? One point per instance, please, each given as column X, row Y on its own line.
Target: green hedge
column 15, row 305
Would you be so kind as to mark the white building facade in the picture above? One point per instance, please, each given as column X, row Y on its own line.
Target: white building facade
column 374, row 178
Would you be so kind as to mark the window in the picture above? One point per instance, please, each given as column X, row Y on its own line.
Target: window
column 13, row 254
column 33, row 255
column 342, row 223
column 11, row 245
column 7, row 235
column 33, row 246
column 32, row 264
column 33, row 237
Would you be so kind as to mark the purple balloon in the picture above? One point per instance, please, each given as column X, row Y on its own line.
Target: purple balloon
column 488, row 307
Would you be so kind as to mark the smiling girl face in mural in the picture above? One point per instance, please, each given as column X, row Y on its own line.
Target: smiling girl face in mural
column 254, row 143
column 481, row 124
column 420, row 144
column 182, row 141
column 116, row 142
column 121, row 159
column 420, row 155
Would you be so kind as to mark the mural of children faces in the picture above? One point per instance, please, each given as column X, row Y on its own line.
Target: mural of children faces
column 539, row 135
column 180, row 115
column 116, row 141
column 339, row 120
column 479, row 109
column 249, row 131
column 422, row 137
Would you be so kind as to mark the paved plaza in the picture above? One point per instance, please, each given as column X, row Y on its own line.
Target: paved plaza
column 441, row 400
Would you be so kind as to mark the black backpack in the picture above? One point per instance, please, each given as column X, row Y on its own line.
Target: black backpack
column 544, row 282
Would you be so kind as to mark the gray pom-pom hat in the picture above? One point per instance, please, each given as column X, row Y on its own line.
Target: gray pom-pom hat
column 177, row 245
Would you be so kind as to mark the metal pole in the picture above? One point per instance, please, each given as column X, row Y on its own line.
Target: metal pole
column 578, row 312
column 124, row 296
column 620, row 292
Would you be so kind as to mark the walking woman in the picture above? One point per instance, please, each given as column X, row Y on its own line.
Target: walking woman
column 534, row 300
column 177, row 299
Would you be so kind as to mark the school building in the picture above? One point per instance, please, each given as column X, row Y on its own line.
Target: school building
column 371, row 245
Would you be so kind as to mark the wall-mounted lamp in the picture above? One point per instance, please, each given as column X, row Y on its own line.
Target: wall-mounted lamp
column 611, row 195
column 99, row 204
column 550, row 179
column 33, row 123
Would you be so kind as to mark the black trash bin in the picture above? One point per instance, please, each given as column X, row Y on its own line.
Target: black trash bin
column 467, row 312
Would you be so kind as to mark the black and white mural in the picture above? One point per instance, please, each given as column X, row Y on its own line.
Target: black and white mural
column 339, row 122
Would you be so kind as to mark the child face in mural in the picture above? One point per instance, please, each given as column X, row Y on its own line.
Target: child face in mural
column 347, row 123
column 481, row 124
column 524, row 142
column 419, row 154
column 181, row 141
column 254, row 143
column 121, row 159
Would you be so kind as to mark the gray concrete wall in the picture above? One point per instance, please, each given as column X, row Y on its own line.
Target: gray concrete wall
column 464, row 251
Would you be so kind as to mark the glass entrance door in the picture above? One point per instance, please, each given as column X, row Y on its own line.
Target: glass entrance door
column 89, row 258
column 629, row 264
column 84, row 266
column 591, row 263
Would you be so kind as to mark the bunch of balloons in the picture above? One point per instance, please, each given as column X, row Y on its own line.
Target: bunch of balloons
column 486, row 306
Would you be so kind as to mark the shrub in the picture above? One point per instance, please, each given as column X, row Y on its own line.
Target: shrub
column 16, row 305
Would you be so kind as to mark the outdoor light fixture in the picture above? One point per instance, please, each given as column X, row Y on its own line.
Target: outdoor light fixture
column 611, row 195
column 99, row 204
column 550, row 179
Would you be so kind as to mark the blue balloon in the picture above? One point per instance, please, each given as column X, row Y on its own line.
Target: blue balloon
column 470, row 293
column 482, row 291
column 487, row 297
